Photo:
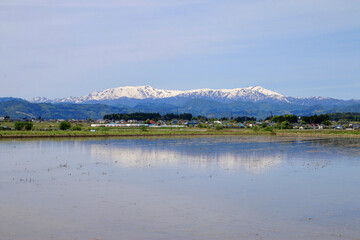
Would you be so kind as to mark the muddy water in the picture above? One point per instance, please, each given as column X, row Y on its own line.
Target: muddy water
column 183, row 188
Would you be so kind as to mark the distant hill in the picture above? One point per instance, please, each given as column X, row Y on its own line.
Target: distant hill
column 7, row 99
column 209, row 108
column 22, row 109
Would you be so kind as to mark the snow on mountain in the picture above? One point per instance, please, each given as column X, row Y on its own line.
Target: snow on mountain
column 253, row 94
column 40, row 100
column 141, row 92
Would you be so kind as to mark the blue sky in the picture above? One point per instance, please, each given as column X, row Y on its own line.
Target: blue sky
column 62, row 48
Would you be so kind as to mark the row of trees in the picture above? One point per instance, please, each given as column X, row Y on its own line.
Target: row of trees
column 323, row 118
column 151, row 116
column 345, row 116
column 245, row 119
column 170, row 116
column 132, row 116
column 27, row 126
column 288, row 117
column 183, row 116
column 317, row 119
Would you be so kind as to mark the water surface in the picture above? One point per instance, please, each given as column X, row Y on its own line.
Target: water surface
column 184, row 188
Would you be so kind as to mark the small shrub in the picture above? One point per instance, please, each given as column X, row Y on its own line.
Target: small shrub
column 76, row 128
column 255, row 128
column 19, row 126
column 219, row 127
column 65, row 125
column 144, row 128
column 201, row 125
column 103, row 129
column 28, row 126
column 268, row 129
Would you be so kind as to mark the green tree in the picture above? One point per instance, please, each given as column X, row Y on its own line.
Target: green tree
column 64, row 125
column 147, row 121
column 19, row 126
column 28, row 126
column 285, row 125
column 327, row 122
column 288, row 117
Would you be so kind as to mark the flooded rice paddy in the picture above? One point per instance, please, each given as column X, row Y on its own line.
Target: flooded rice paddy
column 184, row 188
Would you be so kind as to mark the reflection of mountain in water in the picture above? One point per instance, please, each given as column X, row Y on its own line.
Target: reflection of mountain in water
column 199, row 157
column 254, row 154
column 250, row 153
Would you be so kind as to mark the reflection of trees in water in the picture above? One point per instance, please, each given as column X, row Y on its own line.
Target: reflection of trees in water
column 141, row 156
column 345, row 146
column 254, row 154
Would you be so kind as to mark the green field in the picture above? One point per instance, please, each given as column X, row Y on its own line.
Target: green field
column 38, row 131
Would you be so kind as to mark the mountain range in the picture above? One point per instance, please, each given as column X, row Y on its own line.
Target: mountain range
column 251, row 101
column 142, row 94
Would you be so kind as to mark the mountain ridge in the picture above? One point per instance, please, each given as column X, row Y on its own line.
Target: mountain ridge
column 251, row 101
column 148, row 92
column 132, row 95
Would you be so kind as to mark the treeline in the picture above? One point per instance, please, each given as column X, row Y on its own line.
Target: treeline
column 141, row 116
column 144, row 116
column 288, row 117
column 245, row 119
column 237, row 119
column 316, row 119
column 323, row 118
column 345, row 116
column 182, row 116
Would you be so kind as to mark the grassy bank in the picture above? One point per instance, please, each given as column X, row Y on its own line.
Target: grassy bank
column 123, row 132
column 174, row 132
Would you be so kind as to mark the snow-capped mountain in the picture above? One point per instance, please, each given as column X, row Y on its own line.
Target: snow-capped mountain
column 132, row 95
column 250, row 101
column 253, row 94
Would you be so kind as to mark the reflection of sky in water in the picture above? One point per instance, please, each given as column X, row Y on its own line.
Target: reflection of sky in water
column 182, row 188
column 252, row 154
column 141, row 156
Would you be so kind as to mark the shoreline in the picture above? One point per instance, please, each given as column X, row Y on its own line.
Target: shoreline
column 175, row 133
